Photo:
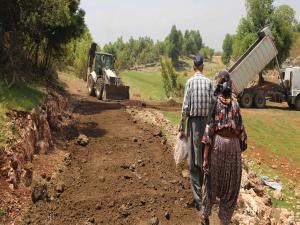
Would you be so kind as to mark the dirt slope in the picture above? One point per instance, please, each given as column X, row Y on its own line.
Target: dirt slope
column 124, row 176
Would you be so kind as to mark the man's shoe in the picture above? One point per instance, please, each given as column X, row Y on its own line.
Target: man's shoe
column 205, row 221
column 193, row 204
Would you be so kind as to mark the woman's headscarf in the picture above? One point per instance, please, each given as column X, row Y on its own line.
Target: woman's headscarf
column 224, row 84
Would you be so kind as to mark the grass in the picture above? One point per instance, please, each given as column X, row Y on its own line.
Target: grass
column 275, row 130
column 2, row 212
column 289, row 200
column 278, row 133
column 147, row 85
column 20, row 97
column 173, row 117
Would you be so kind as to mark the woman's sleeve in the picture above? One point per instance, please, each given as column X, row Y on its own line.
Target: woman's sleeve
column 241, row 129
column 209, row 130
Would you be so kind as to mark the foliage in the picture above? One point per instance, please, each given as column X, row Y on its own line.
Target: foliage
column 261, row 13
column 171, row 84
column 174, row 43
column 207, row 53
column 297, row 27
column 21, row 97
column 144, row 50
column 76, row 53
column 134, row 52
column 34, row 34
column 2, row 212
column 227, row 48
column 192, row 42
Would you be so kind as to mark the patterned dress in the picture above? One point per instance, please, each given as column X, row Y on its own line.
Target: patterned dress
column 225, row 165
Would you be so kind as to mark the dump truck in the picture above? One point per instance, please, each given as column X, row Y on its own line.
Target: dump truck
column 252, row 62
column 102, row 79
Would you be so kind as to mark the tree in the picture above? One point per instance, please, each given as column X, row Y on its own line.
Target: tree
column 207, row 53
column 227, row 48
column 174, row 43
column 192, row 42
column 297, row 27
column 261, row 13
column 171, row 84
column 37, row 33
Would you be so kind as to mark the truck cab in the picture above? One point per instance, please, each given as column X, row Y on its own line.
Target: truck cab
column 291, row 82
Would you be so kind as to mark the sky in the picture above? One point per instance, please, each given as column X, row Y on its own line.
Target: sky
column 110, row 19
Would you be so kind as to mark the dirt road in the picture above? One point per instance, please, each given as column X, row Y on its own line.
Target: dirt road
column 125, row 175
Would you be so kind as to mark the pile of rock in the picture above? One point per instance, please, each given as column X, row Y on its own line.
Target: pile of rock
column 254, row 204
column 30, row 133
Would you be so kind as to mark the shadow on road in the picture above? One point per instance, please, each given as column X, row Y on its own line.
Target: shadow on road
column 86, row 107
column 91, row 129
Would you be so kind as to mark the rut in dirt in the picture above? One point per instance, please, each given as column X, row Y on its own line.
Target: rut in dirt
column 125, row 175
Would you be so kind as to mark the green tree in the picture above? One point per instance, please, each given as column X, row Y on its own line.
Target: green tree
column 174, row 43
column 171, row 84
column 297, row 27
column 207, row 53
column 36, row 33
column 259, row 14
column 227, row 48
column 192, row 42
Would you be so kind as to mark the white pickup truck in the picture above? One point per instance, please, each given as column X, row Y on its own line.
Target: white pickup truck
column 253, row 61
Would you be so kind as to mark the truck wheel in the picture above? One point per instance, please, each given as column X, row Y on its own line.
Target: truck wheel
column 90, row 84
column 246, row 100
column 99, row 89
column 292, row 106
column 259, row 100
column 297, row 103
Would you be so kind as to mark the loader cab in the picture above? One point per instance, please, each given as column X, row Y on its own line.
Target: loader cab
column 103, row 61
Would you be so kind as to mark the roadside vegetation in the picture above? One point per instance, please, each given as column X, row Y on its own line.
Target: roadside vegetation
column 22, row 97
column 37, row 38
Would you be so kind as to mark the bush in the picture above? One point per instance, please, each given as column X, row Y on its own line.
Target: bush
column 172, row 86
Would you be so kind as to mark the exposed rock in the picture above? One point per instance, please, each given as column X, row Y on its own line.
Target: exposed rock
column 40, row 192
column 277, row 194
column 27, row 176
column 60, row 187
column 101, row 178
column 185, row 173
column 82, row 140
column 167, row 215
column 154, row 221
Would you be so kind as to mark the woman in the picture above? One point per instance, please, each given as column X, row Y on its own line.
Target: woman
column 224, row 138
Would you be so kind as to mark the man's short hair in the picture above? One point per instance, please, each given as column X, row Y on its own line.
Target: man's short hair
column 198, row 60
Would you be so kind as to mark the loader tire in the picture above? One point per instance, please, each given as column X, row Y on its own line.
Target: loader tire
column 246, row 100
column 259, row 100
column 90, row 86
column 99, row 89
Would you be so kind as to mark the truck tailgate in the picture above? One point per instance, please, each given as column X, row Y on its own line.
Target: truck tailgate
column 251, row 63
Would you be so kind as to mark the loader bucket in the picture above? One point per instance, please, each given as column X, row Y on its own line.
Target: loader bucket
column 116, row 92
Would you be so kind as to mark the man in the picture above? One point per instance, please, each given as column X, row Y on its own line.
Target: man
column 196, row 106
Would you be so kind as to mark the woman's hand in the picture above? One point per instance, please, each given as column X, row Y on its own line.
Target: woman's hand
column 205, row 158
column 205, row 164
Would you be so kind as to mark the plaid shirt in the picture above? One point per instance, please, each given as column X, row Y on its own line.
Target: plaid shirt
column 197, row 99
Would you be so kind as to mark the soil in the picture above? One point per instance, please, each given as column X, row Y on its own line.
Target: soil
column 125, row 175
